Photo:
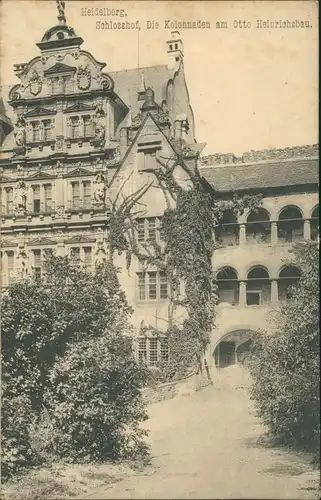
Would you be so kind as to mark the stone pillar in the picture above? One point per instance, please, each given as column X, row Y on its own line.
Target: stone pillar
column 242, row 294
column 274, row 292
column 307, row 230
column 242, row 234
column 274, row 232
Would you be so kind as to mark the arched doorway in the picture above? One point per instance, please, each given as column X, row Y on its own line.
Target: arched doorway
column 233, row 348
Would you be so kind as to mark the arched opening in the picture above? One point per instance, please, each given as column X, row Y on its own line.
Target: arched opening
column 258, row 290
column 288, row 276
column 228, row 286
column 314, row 223
column 258, row 227
column 290, row 225
column 227, row 232
column 233, row 348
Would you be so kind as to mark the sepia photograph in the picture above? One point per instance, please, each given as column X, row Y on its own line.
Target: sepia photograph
column 159, row 249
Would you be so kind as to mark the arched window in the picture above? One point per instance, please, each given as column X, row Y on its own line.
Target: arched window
column 288, row 276
column 227, row 231
column 258, row 227
column 228, row 286
column 258, row 290
column 290, row 224
column 315, row 223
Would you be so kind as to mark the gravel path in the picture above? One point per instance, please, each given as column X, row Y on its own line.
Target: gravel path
column 205, row 446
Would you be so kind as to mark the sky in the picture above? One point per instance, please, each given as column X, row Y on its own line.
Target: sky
column 250, row 88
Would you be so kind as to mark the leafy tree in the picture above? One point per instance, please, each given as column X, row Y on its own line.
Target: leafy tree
column 286, row 364
column 62, row 321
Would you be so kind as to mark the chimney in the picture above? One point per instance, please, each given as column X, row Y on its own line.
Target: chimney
column 175, row 50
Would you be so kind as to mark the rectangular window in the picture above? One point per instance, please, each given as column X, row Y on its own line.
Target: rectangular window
column 47, row 130
column 9, row 207
column 87, row 194
column 152, row 286
column 164, row 351
column 153, row 357
column 151, row 229
column 35, row 132
column 48, row 197
column 141, row 229
column 36, row 199
column 141, row 286
column 87, row 126
column 75, row 255
column 75, row 195
column 142, row 351
column 10, row 266
column 74, row 126
column 163, row 286
column 150, row 160
column 87, row 259
column 254, row 298
column 37, row 263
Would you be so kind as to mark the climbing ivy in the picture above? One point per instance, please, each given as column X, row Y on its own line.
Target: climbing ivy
column 186, row 256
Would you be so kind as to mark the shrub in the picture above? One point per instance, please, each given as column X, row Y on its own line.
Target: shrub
column 285, row 365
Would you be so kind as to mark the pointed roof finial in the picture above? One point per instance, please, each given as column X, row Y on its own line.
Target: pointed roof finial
column 61, row 11
column 142, row 84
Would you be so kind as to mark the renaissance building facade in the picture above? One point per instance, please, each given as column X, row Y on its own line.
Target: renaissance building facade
column 80, row 135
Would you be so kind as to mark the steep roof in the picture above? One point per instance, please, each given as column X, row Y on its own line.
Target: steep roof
column 128, row 83
column 262, row 175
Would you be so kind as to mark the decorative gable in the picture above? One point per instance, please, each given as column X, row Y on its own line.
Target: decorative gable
column 40, row 175
column 42, row 241
column 77, row 172
column 79, row 106
column 60, row 68
column 39, row 112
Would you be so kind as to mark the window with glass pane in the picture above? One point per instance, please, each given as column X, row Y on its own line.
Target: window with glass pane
column 37, row 263
column 151, row 229
column 48, row 197
column 152, row 286
column 141, row 230
column 74, row 126
column 75, row 195
column 87, row 126
column 87, row 258
column 75, row 255
column 87, row 194
column 153, row 343
column 161, row 229
column 35, row 132
column 9, row 194
column 36, row 199
column 10, row 266
column 47, row 130
column 142, row 352
column 164, row 349
column 141, row 286
column 163, row 286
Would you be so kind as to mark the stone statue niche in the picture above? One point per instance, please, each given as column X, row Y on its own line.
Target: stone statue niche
column 20, row 199
column 100, row 189
column 20, row 132
column 22, row 262
column 99, row 125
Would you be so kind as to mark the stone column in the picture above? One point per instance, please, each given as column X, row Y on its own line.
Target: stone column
column 242, row 234
column 307, row 230
column 274, row 232
column 242, row 294
column 274, row 292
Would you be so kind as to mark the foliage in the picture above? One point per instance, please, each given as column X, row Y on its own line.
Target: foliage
column 285, row 365
column 43, row 323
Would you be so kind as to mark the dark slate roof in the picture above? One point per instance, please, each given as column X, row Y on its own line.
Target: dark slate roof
column 128, row 83
column 265, row 175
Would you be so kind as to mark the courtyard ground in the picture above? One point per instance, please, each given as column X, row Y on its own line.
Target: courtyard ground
column 204, row 445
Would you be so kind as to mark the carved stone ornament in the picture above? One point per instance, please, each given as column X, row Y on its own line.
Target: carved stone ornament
column 35, row 83
column 20, row 199
column 20, row 132
column 99, row 188
column 84, row 77
column 100, row 256
column 60, row 211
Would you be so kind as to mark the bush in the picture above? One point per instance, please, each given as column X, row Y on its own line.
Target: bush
column 285, row 366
